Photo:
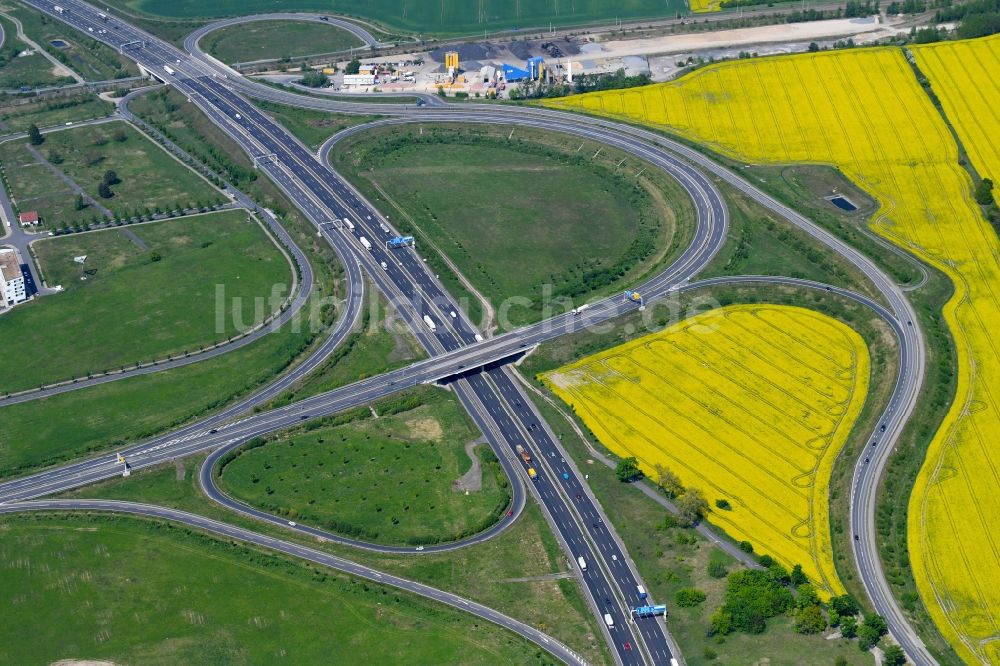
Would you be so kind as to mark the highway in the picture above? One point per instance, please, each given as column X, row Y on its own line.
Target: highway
column 226, row 531
column 417, row 295
column 322, row 194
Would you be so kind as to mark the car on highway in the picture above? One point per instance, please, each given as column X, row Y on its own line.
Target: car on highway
column 385, row 266
column 419, row 548
column 627, row 646
column 292, row 523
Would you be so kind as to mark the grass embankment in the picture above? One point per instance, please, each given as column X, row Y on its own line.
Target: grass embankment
column 517, row 572
column 101, row 418
column 154, row 292
column 33, row 71
column 193, row 598
column 93, row 60
column 150, row 178
column 53, row 112
column 533, row 222
column 391, row 479
column 449, row 17
column 271, row 40
column 311, row 127
column 68, row 426
column 382, row 342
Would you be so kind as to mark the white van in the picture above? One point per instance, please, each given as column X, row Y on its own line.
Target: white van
column 582, row 562
column 608, row 620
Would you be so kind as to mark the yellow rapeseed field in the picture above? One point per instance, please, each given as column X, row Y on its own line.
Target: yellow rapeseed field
column 955, row 546
column 747, row 403
column 865, row 112
column 702, row 6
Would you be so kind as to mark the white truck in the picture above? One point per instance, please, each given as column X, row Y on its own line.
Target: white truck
column 608, row 620
column 365, row 242
column 580, row 309
column 430, row 323
column 349, row 225
column 582, row 562
column 169, row 70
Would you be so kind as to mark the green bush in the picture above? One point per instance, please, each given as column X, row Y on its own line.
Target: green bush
column 752, row 597
column 689, row 597
column 810, row 620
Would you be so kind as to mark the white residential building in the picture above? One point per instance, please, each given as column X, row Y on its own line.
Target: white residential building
column 11, row 279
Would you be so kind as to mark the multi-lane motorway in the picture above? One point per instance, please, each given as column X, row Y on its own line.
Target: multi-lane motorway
column 496, row 402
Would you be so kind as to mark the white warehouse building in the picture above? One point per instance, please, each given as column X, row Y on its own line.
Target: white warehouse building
column 11, row 279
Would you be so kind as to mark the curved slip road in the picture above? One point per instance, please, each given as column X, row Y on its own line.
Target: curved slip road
column 222, row 530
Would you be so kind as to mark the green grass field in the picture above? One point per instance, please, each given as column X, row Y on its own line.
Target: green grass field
column 312, row 127
column 78, row 590
column 30, row 70
column 263, row 40
column 387, row 479
column 93, row 60
column 446, row 17
column 100, row 418
column 150, row 309
column 48, row 113
column 150, row 177
column 517, row 214
column 760, row 243
column 515, row 572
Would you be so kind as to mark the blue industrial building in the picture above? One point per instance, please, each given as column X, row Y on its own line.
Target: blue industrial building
column 512, row 74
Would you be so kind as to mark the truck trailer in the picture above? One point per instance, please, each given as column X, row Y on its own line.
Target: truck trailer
column 169, row 70
column 365, row 242
column 59, row 9
column 430, row 323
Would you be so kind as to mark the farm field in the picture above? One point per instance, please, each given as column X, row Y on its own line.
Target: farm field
column 387, row 480
column 176, row 313
column 150, row 177
column 750, row 404
column 703, row 6
column 671, row 557
column 867, row 114
column 954, row 543
column 589, row 229
column 262, row 40
column 446, row 17
column 80, row 588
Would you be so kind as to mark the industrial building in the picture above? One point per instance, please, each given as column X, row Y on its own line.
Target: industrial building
column 11, row 278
